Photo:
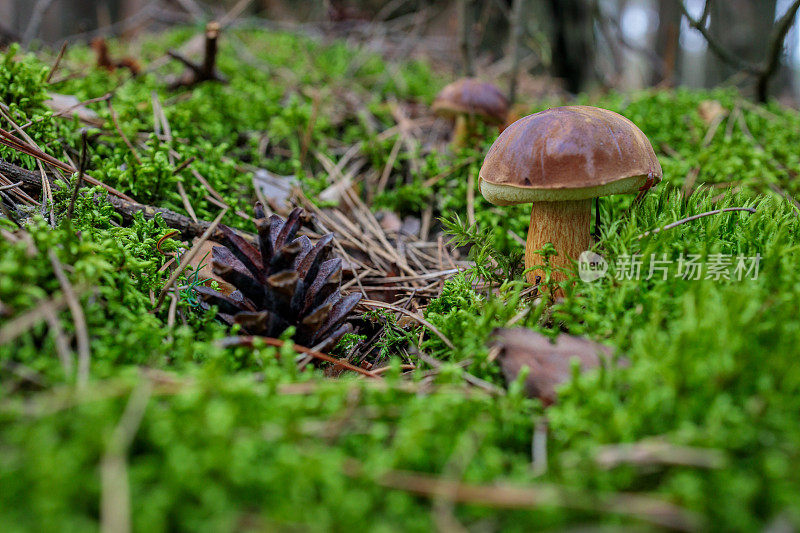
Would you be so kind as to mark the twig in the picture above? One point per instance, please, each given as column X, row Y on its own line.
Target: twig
column 189, row 228
column 56, row 62
column 205, row 71
column 713, row 45
column 78, row 318
column 59, row 340
column 779, row 32
column 22, row 323
column 435, row 179
column 80, row 177
column 695, row 217
column 121, row 133
column 764, row 71
column 410, row 314
column 657, row 452
column 507, row 496
column 12, row 186
column 32, row 150
column 115, row 502
column 249, row 340
column 234, row 13
column 188, row 256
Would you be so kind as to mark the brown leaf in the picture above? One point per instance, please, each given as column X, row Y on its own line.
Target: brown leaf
column 68, row 104
column 276, row 189
column 202, row 260
column 549, row 363
column 710, row 111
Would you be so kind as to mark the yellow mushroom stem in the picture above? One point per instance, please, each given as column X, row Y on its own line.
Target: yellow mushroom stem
column 565, row 224
column 464, row 130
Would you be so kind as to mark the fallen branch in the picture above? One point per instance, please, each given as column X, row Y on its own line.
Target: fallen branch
column 205, row 71
column 8, row 139
column 189, row 228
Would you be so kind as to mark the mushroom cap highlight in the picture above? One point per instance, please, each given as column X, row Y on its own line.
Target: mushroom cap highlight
column 567, row 153
column 470, row 96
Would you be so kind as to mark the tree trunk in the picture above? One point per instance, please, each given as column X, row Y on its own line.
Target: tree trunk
column 667, row 44
column 572, row 43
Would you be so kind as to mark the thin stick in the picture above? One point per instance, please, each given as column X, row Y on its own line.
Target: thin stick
column 435, row 179
column 30, row 149
column 387, row 169
column 508, row 496
column 56, row 62
column 115, row 501
column 695, row 217
column 188, row 228
column 67, row 111
column 248, row 340
column 471, row 199
column 122, row 134
column 80, row 177
column 415, row 316
column 60, row 341
column 469, row 378
column 81, row 332
column 35, row 20
column 188, row 256
column 713, row 45
column 12, row 186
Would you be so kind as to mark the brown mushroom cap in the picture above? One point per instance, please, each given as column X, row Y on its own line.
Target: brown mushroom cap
column 470, row 96
column 567, row 153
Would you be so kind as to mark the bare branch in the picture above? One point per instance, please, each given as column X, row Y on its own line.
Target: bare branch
column 775, row 50
column 763, row 71
column 713, row 45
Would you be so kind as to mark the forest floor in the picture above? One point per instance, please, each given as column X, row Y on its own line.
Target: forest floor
column 126, row 402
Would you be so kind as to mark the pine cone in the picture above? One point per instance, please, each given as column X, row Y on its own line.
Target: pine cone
column 289, row 282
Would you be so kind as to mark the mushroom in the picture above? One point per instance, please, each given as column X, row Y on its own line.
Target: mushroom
column 559, row 160
column 468, row 99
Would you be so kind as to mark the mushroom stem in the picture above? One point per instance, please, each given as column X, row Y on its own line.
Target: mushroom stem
column 565, row 224
column 464, row 130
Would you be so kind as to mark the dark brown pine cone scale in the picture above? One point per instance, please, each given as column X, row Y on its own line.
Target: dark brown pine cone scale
column 285, row 281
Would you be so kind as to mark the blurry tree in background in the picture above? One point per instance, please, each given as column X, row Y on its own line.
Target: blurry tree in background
column 584, row 43
column 743, row 27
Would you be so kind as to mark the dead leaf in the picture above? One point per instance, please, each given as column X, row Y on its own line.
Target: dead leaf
column 549, row 362
column 202, row 260
column 710, row 111
column 389, row 221
column 276, row 189
column 68, row 104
